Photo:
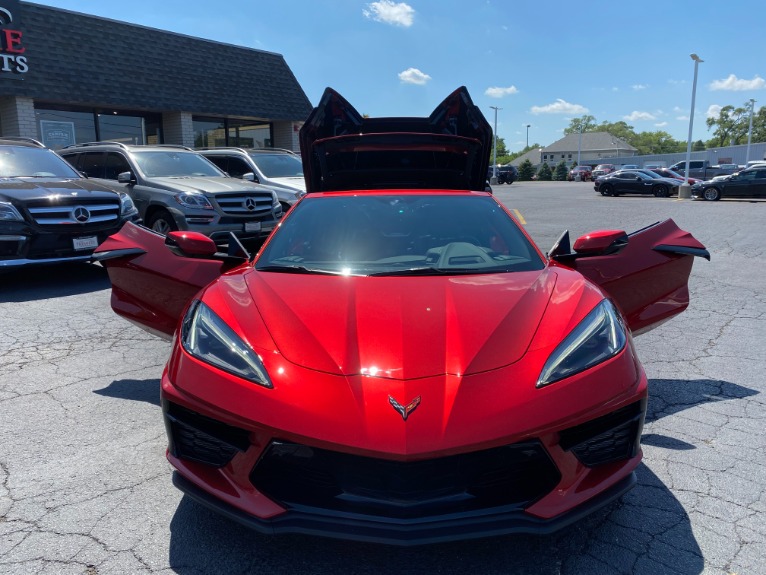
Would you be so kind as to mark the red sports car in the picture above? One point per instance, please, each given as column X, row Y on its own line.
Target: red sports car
column 399, row 362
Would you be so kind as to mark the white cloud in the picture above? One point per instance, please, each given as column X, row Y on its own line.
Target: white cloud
column 500, row 92
column 638, row 87
column 713, row 111
column 677, row 109
column 734, row 84
column 388, row 12
column 661, row 124
column 615, row 89
column 560, row 107
column 636, row 115
column 682, row 118
column 414, row 76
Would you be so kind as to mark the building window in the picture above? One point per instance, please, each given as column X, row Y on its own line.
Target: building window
column 219, row 132
column 63, row 126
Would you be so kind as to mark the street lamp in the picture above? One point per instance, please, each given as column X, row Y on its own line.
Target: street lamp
column 493, row 181
column 579, row 145
column 685, row 191
column 529, row 125
column 750, row 131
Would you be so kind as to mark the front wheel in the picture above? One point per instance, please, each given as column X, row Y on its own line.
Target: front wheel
column 606, row 190
column 162, row 223
column 661, row 191
column 712, row 194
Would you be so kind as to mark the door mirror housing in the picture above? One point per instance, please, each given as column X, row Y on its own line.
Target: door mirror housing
column 250, row 177
column 601, row 243
column 126, row 178
column 191, row 245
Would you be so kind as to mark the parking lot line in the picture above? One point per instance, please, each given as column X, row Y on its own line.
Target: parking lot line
column 519, row 217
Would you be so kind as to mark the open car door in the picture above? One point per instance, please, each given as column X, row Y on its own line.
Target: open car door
column 151, row 286
column 647, row 276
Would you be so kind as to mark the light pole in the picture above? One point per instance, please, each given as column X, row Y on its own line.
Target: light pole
column 579, row 145
column 685, row 190
column 493, row 181
column 529, row 125
column 749, row 131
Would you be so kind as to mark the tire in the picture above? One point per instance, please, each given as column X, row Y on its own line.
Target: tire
column 661, row 191
column 162, row 223
column 606, row 190
column 712, row 194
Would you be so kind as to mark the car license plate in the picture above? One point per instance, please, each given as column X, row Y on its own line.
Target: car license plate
column 252, row 226
column 85, row 243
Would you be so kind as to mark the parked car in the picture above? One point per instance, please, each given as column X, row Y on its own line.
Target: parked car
column 630, row 167
column 402, row 365
column 668, row 173
column 703, row 170
column 655, row 165
column 175, row 188
column 280, row 170
column 636, row 182
column 749, row 183
column 602, row 170
column 49, row 213
column 583, row 171
column 506, row 174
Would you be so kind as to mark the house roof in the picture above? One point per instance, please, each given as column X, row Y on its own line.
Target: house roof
column 77, row 58
column 591, row 141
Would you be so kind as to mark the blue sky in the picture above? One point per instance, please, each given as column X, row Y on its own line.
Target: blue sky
column 542, row 63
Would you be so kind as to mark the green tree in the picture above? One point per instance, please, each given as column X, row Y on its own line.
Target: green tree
column 561, row 171
column 698, row 146
column 501, row 149
column 587, row 122
column 526, row 171
column 731, row 126
column 544, row 173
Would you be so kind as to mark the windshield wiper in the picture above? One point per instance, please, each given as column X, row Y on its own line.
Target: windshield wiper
column 293, row 269
column 432, row 271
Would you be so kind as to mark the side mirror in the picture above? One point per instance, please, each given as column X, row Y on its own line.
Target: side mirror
column 191, row 245
column 601, row 243
column 250, row 177
column 125, row 178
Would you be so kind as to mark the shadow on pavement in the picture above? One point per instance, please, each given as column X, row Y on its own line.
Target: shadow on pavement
column 147, row 390
column 46, row 282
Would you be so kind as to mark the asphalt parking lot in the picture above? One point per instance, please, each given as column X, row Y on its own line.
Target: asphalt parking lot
column 85, row 487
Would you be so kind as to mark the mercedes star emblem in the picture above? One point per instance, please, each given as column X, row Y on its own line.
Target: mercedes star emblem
column 81, row 214
column 250, row 204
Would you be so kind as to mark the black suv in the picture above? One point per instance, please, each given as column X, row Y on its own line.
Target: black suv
column 48, row 212
column 175, row 188
column 505, row 174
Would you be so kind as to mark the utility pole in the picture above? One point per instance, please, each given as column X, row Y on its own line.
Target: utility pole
column 528, row 126
column 685, row 190
column 493, row 181
column 750, row 131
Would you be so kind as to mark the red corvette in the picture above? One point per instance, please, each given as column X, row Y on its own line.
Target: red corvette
column 400, row 363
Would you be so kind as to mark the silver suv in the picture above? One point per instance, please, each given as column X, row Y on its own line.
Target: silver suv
column 175, row 188
column 281, row 170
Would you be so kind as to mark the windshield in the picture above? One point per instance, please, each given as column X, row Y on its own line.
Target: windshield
column 402, row 234
column 279, row 165
column 23, row 161
column 175, row 164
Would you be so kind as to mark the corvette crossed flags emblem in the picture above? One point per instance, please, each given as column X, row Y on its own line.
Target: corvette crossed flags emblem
column 404, row 410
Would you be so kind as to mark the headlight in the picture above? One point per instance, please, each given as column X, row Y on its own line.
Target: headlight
column 207, row 337
column 8, row 213
column 194, row 200
column 127, row 207
column 599, row 336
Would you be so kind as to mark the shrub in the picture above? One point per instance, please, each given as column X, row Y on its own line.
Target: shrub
column 526, row 171
column 544, row 173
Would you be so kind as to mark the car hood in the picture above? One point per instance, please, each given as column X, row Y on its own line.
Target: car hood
column 290, row 183
column 401, row 328
column 343, row 150
column 27, row 189
column 206, row 185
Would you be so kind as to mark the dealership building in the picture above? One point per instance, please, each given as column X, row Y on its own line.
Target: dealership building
column 67, row 78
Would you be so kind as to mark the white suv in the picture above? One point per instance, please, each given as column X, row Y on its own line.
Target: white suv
column 280, row 170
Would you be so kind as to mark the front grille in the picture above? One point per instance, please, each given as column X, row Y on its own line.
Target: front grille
column 612, row 437
column 245, row 204
column 512, row 476
column 198, row 438
column 76, row 213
